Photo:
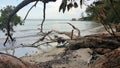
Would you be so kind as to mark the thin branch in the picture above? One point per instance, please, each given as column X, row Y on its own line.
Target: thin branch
column 6, row 41
column 30, row 10
column 43, row 16
column 41, row 39
column 75, row 29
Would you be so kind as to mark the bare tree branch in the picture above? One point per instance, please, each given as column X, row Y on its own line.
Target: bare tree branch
column 75, row 29
column 41, row 39
column 43, row 17
column 30, row 10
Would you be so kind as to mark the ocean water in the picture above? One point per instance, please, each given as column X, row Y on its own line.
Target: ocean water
column 28, row 33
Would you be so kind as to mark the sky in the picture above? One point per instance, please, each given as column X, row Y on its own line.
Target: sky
column 52, row 10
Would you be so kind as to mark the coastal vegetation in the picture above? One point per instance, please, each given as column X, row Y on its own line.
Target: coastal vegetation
column 4, row 14
column 105, row 47
column 106, row 12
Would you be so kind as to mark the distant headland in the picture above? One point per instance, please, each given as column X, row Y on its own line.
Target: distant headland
column 81, row 19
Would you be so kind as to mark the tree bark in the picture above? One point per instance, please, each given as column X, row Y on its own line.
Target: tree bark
column 9, row 61
column 109, row 60
column 95, row 41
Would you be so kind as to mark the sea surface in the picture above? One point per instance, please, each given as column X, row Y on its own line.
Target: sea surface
column 29, row 33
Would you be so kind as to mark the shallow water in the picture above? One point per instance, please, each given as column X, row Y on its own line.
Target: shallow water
column 28, row 33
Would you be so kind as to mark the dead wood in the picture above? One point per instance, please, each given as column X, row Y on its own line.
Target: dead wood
column 75, row 28
column 69, row 34
column 41, row 39
column 109, row 60
column 102, row 51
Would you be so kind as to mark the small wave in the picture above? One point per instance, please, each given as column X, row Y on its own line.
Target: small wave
column 93, row 28
column 28, row 30
column 27, row 36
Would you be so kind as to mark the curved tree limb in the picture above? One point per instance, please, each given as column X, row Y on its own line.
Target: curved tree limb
column 75, row 29
column 71, row 34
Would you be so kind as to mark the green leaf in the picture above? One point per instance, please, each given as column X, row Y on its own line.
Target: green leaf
column 3, row 17
column 81, row 3
column 63, row 6
column 75, row 5
column 69, row 6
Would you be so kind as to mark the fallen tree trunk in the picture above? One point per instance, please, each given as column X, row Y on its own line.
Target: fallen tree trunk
column 95, row 41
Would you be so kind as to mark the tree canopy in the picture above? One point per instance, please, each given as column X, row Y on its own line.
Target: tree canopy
column 4, row 14
column 108, row 10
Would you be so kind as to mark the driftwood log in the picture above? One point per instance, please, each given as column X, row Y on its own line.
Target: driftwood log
column 105, row 45
column 9, row 61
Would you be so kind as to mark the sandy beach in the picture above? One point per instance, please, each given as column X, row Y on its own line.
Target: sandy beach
column 75, row 58
column 58, row 57
column 53, row 56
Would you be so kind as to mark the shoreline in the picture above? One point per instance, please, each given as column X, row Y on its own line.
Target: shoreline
column 57, row 57
column 96, row 30
column 77, row 59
